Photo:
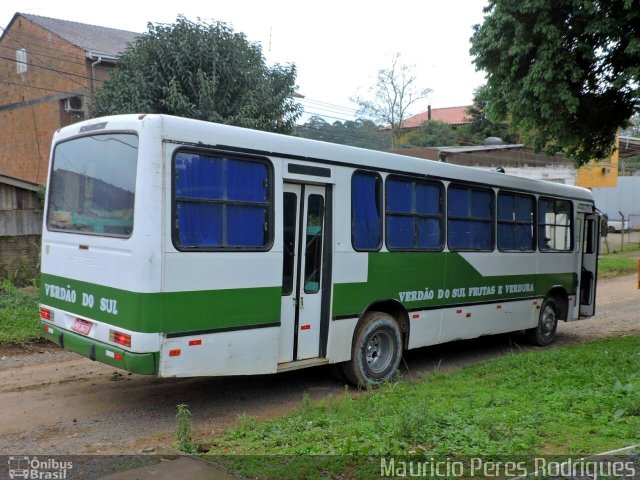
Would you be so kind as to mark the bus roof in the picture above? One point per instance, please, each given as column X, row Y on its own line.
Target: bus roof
column 207, row 134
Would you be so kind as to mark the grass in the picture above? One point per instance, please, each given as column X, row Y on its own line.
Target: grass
column 579, row 399
column 619, row 263
column 614, row 265
column 18, row 314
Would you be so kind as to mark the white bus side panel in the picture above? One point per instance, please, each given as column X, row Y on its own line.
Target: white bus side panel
column 472, row 321
column 240, row 352
column 340, row 339
column 425, row 328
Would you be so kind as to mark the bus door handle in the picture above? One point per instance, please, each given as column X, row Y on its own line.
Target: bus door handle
column 298, row 302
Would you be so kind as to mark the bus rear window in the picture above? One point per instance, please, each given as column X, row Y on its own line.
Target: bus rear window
column 92, row 185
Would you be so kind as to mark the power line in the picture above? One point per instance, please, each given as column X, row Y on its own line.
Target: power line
column 61, row 59
column 342, row 135
column 327, row 105
column 47, row 68
column 74, row 94
column 58, row 72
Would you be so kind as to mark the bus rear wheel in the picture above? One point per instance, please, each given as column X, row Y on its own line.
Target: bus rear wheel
column 545, row 332
column 377, row 350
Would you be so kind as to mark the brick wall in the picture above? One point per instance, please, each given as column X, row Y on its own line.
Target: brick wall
column 31, row 103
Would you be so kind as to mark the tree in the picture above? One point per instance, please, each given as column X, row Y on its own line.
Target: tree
column 566, row 72
column 481, row 126
column 394, row 93
column 204, row 71
column 433, row 133
column 359, row 133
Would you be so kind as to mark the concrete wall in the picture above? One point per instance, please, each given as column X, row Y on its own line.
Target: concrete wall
column 625, row 198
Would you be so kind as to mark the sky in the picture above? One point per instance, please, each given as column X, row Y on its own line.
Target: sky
column 337, row 46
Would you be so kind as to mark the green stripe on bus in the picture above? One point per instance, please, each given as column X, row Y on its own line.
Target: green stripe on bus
column 166, row 312
column 433, row 279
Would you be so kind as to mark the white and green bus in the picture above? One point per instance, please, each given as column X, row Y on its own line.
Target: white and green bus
column 177, row 247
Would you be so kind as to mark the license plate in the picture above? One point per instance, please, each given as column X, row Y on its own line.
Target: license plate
column 81, row 326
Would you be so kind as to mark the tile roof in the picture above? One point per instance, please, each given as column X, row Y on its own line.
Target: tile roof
column 92, row 38
column 450, row 115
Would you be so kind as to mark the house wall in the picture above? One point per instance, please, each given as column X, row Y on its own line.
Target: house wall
column 520, row 162
column 31, row 103
column 20, row 228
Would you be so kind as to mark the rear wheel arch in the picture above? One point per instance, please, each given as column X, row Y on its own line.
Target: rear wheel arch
column 561, row 297
column 396, row 310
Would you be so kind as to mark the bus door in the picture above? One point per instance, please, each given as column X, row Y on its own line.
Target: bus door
column 306, row 247
column 589, row 265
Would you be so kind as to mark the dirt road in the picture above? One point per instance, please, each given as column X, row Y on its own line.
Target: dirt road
column 55, row 402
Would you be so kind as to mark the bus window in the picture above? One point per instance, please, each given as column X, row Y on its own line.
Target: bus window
column 515, row 222
column 93, row 183
column 414, row 214
column 554, row 225
column 469, row 218
column 220, row 202
column 289, row 213
column 366, row 224
column 313, row 251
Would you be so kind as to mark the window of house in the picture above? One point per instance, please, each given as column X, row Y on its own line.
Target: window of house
column 515, row 222
column 469, row 218
column 366, row 211
column 555, row 225
column 413, row 214
column 21, row 60
column 221, row 202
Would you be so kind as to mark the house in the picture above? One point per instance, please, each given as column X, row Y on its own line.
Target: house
column 512, row 159
column 49, row 69
column 450, row 115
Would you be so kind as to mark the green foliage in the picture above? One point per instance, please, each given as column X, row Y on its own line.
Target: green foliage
column 434, row 133
column 19, row 314
column 204, row 71
column 184, row 430
column 566, row 73
column 572, row 400
column 359, row 133
column 481, row 126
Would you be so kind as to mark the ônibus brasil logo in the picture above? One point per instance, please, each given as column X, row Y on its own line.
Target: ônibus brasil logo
column 35, row 468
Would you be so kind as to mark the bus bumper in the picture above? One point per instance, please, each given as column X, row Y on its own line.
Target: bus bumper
column 142, row 363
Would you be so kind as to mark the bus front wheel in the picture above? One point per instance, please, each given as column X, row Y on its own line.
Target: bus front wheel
column 377, row 350
column 545, row 332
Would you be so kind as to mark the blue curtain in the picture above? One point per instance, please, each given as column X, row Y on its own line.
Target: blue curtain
column 399, row 196
column 400, row 231
column 221, row 202
column 198, row 177
column 200, row 224
column 365, row 211
column 428, row 199
column 246, row 181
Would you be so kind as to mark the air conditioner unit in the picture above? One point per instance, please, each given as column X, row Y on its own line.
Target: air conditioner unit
column 73, row 104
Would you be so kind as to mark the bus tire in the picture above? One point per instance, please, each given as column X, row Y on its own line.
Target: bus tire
column 376, row 351
column 545, row 332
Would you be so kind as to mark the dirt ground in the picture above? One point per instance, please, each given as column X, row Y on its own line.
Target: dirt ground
column 55, row 402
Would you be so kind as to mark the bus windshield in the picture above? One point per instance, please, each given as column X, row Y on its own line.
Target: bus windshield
column 92, row 185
